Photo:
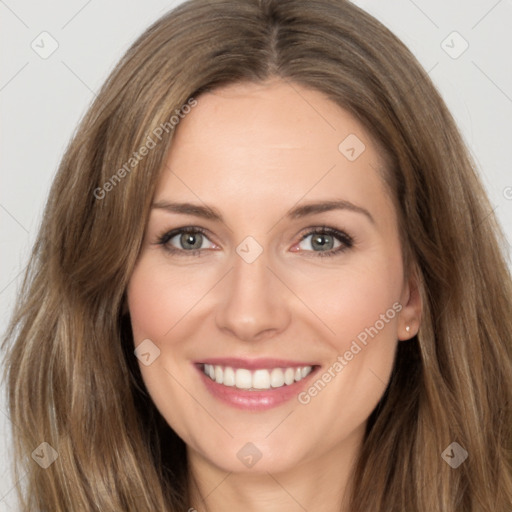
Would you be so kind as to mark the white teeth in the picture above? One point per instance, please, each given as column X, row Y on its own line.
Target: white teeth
column 289, row 376
column 261, row 379
column 219, row 375
column 229, row 377
column 257, row 379
column 210, row 370
column 243, row 378
column 305, row 371
column 276, row 378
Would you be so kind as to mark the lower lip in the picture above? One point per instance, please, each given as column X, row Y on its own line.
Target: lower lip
column 254, row 400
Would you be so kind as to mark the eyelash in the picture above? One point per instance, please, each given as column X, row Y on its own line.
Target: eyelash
column 347, row 242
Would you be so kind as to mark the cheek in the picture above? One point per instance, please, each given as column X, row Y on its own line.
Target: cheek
column 158, row 299
column 361, row 305
column 356, row 298
column 144, row 304
column 366, row 302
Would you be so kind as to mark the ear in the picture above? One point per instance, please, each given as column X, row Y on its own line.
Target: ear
column 410, row 315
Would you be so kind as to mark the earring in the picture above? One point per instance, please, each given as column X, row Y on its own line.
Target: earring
column 407, row 328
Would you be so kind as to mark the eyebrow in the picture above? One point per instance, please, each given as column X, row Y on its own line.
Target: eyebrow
column 211, row 213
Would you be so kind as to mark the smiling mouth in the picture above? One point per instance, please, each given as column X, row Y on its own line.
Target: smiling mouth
column 255, row 380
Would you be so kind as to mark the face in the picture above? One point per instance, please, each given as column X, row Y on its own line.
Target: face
column 294, row 311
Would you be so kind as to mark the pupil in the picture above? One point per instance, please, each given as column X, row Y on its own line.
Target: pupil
column 320, row 240
column 189, row 238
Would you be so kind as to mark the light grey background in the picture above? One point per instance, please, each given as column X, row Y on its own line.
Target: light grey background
column 42, row 100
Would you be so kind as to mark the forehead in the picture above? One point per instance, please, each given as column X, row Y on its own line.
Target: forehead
column 270, row 144
column 275, row 116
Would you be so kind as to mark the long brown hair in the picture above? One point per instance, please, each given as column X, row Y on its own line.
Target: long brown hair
column 71, row 373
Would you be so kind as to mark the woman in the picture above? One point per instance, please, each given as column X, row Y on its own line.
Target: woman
column 255, row 370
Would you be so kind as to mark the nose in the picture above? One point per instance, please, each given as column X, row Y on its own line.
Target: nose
column 255, row 303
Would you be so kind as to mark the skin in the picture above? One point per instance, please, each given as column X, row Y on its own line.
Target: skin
column 253, row 152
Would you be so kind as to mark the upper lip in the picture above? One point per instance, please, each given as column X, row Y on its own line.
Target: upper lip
column 255, row 364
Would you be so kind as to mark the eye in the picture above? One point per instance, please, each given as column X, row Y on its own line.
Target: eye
column 190, row 241
column 325, row 239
